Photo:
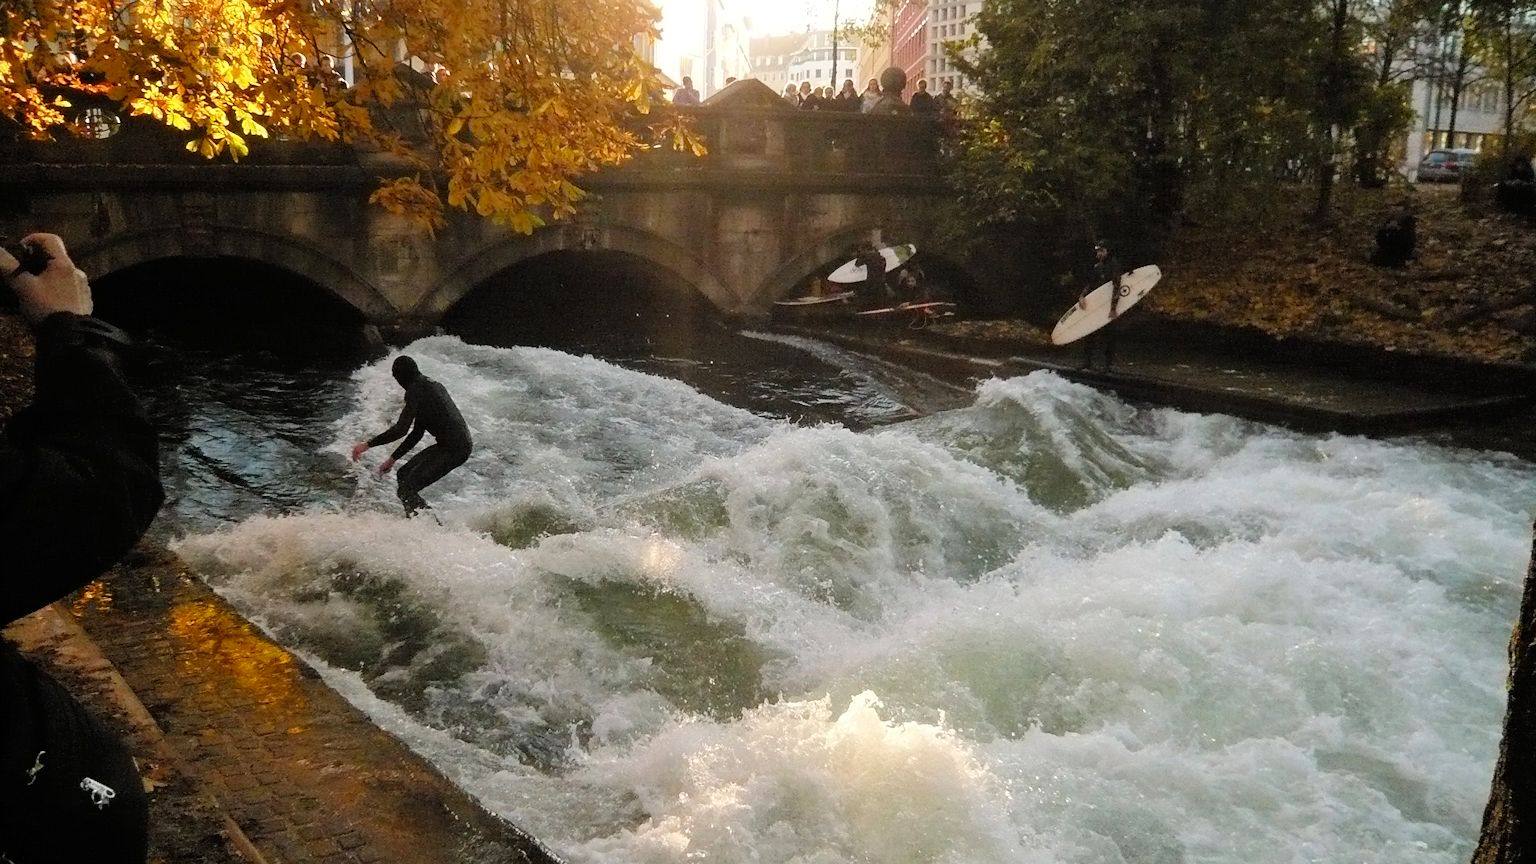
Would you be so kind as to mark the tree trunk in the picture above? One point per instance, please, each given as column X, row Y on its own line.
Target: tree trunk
column 1509, row 821
column 1326, row 170
column 1450, row 132
column 1509, row 84
column 1333, row 82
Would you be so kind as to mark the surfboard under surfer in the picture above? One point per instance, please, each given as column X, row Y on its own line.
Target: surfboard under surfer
column 1106, row 268
column 428, row 409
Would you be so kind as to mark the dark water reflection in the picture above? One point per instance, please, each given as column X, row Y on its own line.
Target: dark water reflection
column 242, row 434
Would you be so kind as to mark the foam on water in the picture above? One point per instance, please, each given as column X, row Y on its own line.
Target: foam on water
column 1047, row 627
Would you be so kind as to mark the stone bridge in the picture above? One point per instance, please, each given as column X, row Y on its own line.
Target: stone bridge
column 782, row 194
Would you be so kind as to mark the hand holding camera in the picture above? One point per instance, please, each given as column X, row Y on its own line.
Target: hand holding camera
column 43, row 278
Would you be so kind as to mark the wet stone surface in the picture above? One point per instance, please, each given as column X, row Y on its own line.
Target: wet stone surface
column 307, row 777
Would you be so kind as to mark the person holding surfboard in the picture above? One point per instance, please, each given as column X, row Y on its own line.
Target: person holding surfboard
column 1106, row 268
column 874, row 289
column 428, row 408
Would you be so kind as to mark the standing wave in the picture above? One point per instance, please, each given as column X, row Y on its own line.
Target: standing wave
column 1051, row 626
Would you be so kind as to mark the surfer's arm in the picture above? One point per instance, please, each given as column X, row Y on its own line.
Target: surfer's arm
column 403, row 425
column 408, row 444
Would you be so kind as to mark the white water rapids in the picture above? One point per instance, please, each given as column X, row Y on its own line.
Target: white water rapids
column 1048, row 627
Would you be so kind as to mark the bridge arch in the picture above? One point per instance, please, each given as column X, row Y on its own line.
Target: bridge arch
column 120, row 251
column 500, row 256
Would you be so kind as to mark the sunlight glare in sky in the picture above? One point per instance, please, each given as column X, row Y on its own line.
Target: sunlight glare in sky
column 768, row 17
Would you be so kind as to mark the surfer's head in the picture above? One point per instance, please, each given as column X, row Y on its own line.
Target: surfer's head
column 405, row 370
column 1100, row 248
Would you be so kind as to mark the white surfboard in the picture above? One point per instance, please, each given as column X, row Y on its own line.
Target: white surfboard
column 853, row 271
column 935, row 307
column 815, row 300
column 1093, row 313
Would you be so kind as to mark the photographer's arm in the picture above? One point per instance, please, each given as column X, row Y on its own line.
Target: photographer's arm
column 79, row 472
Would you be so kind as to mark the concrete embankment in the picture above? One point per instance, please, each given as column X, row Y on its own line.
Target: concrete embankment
column 1315, row 387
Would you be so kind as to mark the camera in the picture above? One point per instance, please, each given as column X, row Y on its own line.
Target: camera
column 31, row 258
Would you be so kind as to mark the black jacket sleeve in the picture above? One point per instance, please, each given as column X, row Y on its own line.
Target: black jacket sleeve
column 79, row 468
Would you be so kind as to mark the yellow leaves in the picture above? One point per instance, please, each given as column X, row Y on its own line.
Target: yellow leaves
column 244, row 77
column 406, row 196
column 529, row 94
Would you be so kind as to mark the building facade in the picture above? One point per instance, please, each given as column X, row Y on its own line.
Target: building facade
column 948, row 21
column 910, row 43
column 1479, row 114
column 814, row 56
column 914, row 41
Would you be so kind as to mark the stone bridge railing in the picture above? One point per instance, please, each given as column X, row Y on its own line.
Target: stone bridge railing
column 781, row 193
column 828, row 146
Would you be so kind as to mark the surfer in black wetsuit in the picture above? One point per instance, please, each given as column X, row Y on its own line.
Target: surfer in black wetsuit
column 428, row 408
column 1106, row 268
column 874, row 290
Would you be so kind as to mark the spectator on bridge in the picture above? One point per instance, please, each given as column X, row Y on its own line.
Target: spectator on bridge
column 892, row 82
column 810, row 97
column 847, row 99
column 945, row 103
column 685, row 94
column 870, row 96
column 79, row 474
column 922, row 101
column 791, row 96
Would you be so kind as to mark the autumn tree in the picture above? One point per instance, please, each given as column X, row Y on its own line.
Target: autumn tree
column 1507, row 30
column 1397, row 38
column 529, row 94
column 1454, row 66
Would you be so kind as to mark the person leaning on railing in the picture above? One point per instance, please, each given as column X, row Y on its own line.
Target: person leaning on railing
column 79, row 482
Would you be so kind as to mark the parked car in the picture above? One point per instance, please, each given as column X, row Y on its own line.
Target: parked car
column 1446, row 166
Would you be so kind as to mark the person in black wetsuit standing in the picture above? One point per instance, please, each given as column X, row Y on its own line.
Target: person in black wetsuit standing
column 874, row 291
column 1106, row 268
column 428, row 408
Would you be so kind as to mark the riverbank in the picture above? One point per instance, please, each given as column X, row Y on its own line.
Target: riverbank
column 1469, row 294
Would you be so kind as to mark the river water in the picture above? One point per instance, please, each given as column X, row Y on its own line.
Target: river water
column 778, row 616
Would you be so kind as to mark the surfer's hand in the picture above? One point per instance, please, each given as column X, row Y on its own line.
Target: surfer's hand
column 358, row 449
column 388, row 464
column 59, row 288
column 1082, row 302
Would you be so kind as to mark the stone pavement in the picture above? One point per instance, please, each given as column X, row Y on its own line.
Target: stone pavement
column 259, row 759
